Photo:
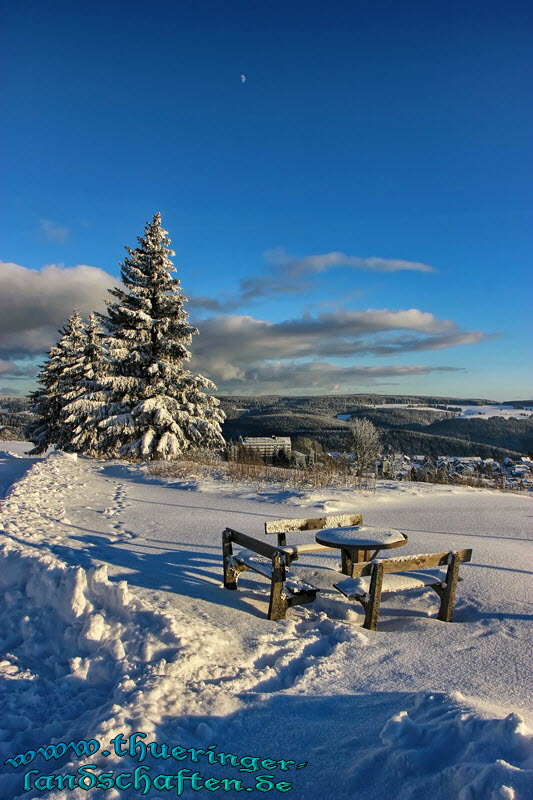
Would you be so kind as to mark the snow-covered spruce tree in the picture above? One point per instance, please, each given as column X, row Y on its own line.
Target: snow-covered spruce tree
column 155, row 408
column 80, row 405
column 58, row 376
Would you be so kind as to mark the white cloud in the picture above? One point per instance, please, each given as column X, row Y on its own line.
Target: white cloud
column 234, row 350
column 53, row 231
column 284, row 274
column 322, row 262
column 35, row 303
column 315, row 376
column 10, row 369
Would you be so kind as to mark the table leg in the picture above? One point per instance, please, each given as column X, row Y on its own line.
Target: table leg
column 355, row 556
column 347, row 562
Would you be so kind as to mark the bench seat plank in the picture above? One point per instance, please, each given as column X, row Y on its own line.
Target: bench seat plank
column 393, row 582
column 254, row 561
column 438, row 571
column 317, row 524
column 306, row 547
column 299, row 579
column 316, row 577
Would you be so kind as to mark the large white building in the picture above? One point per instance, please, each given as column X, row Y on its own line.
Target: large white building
column 267, row 445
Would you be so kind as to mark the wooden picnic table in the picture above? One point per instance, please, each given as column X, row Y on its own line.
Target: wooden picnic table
column 360, row 543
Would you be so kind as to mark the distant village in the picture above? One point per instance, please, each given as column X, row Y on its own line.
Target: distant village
column 511, row 474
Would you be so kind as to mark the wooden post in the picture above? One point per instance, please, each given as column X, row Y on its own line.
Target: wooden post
column 347, row 562
column 282, row 539
column 278, row 603
column 230, row 575
column 372, row 608
column 448, row 595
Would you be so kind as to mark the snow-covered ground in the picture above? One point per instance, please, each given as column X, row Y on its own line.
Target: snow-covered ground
column 467, row 412
column 507, row 412
column 113, row 621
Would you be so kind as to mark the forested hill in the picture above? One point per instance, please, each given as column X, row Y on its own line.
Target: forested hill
column 334, row 434
column 515, row 434
column 336, row 404
column 409, row 430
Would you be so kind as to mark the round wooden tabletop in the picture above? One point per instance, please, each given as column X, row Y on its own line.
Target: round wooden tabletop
column 361, row 537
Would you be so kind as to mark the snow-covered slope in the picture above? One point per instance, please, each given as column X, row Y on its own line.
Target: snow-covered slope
column 417, row 709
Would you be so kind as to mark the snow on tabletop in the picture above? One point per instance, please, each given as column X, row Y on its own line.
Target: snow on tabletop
column 418, row 709
column 360, row 536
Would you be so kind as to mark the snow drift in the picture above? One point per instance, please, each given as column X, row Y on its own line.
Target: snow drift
column 86, row 657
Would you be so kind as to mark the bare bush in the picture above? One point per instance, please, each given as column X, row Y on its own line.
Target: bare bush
column 366, row 444
column 329, row 473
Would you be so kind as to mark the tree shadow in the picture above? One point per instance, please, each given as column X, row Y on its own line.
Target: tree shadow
column 12, row 470
column 203, row 508
column 185, row 572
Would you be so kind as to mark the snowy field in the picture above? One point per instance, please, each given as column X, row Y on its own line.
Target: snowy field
column 507, row 412
column 467, row 412
column 114, row 621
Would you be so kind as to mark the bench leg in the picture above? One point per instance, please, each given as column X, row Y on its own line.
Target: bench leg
column 448, row 594
column 374, row 603
column 230, row 573
column 278, row 602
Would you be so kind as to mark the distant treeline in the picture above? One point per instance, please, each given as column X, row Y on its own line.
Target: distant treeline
column 14, row 416
column 324, row 430
column 10, row 403
column 401, row 417
column 427, row 444
column 336, row 404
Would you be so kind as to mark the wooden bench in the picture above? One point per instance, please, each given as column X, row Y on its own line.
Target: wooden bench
column 284, row 526
column 437, row 571
column 273, row 562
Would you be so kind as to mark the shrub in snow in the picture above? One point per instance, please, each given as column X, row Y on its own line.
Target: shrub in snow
column 366, row 444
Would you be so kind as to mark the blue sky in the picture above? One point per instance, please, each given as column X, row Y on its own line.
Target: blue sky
column 371, row 142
